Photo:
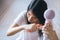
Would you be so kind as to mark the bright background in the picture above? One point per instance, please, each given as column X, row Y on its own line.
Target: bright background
column 9, row 10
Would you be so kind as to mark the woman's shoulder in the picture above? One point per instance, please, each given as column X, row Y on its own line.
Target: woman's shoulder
column 21, row 18
column 23, row 12
column 22, row 15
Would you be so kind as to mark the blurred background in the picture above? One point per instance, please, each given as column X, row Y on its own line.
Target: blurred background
column 10, row 9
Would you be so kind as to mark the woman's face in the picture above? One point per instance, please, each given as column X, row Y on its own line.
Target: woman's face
column 31, row 17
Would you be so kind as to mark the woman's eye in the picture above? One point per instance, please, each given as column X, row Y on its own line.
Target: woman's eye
column 34, row 17
column 28, row 15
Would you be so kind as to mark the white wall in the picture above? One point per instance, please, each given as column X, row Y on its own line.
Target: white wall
column 9, row 15
column 4, row 5
column 19, row 5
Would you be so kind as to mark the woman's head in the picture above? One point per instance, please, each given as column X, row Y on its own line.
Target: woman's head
column 36, row 11
column 31, row 17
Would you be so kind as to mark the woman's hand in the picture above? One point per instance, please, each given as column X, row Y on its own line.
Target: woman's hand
column 47, row 29
column 32, row 29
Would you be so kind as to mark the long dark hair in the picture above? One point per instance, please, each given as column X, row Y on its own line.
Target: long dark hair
column 38, row 8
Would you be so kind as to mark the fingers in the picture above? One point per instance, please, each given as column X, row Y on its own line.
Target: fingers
column 51, row 35
column 33, row 29
column 39, row 26
column 48, row 24
column 47, row 27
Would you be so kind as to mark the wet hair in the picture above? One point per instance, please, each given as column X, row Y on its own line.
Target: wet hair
column 38, row 8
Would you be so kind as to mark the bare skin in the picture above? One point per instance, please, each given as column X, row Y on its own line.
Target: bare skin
column 14, row 28
column 48, row 30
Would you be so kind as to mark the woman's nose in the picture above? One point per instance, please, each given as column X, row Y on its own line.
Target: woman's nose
column 31, row 18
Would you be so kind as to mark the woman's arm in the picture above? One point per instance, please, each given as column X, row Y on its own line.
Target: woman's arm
column 14, row 28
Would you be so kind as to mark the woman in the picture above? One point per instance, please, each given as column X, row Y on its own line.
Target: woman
column 34, row 18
